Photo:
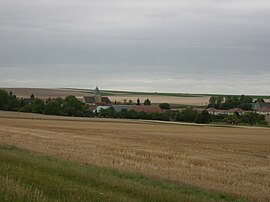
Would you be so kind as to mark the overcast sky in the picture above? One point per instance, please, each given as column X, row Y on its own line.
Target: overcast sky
column 196, row 46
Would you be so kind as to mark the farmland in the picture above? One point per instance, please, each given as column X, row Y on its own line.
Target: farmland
column 119, row 96
column 233, row 161
column 27, row 176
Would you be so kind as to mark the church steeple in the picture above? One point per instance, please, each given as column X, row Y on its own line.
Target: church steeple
column 97, row 91
column 97, row 95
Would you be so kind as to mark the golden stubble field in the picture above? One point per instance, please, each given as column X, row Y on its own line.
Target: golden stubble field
column 230, row 160
column 195, row 101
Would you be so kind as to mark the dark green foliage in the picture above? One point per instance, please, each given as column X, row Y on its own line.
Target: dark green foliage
column 138, row 102
column 230, row 102
column 26, row 108
column 187, row 115
column 38, row 106
column 147, row 102
column 3, row 99
column 54, row 107
column 165, row 106
column 203, row 117
column 131, row 114
column 73, row 107
column 215, row 101
column 8, row 101
column 108, row 113
column 26, row 176
column 253, row 119
column 32, row 97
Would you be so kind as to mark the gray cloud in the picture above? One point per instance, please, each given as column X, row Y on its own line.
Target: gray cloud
column 98, row 38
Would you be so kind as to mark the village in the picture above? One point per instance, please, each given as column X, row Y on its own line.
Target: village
column 243, row 110
column 96, row 102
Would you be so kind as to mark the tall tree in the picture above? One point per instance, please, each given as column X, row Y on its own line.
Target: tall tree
column 138, row 102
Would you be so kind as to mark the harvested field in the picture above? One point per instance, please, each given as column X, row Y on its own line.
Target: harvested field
column 26, row 176
column 194, row 101
column 44, row 93
column 229, row 160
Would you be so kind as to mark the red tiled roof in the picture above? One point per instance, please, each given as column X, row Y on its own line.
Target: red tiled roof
column 225, row 111
column 212, row 110
column 147, row 109
column 264, row 109
column 235, row 110
column 91, row 108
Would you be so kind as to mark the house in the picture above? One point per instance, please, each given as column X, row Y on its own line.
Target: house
column 258, row 105
column 147, row 109
column 28, row 101
column 261, row 108
column 96, row 98
column 118, row 108
column 225, row 112
column 97, row 110
column 264, row 111
column 235, row 110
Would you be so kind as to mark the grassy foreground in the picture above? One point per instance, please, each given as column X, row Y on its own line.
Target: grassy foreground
column 26, row 176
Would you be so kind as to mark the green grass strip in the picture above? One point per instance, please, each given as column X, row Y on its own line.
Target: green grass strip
column 27, row 176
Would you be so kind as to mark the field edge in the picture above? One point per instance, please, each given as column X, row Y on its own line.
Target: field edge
column 27, row 157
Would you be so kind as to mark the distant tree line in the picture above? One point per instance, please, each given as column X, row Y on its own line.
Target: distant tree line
column 187, row 115
column 230, row 102
column 70, row 106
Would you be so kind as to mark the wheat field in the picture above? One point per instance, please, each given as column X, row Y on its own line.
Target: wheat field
column 230, row 160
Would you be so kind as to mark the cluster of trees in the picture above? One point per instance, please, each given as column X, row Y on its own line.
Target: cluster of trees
column 187, row 115
column 249, row 118
column 9, row 102
column 130, row 102
column 165, row 106
column 193, row 116
column 70, row 106
column 131, row 114
column 230, row 102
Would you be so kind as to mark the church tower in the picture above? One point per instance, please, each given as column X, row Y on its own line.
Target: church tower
column 97, row 95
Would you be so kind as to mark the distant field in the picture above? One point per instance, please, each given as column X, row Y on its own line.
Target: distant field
column 185, row 99
column 45, row 93
column 194, row 101
column 234, row 161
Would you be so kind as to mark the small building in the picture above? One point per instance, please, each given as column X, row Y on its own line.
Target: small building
column 225, row 112
column 28, row 101
column 258, row 105
column 147, row 109
column 264, row 111
column 97, row 110
column 118, row 108
column 96, row 99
